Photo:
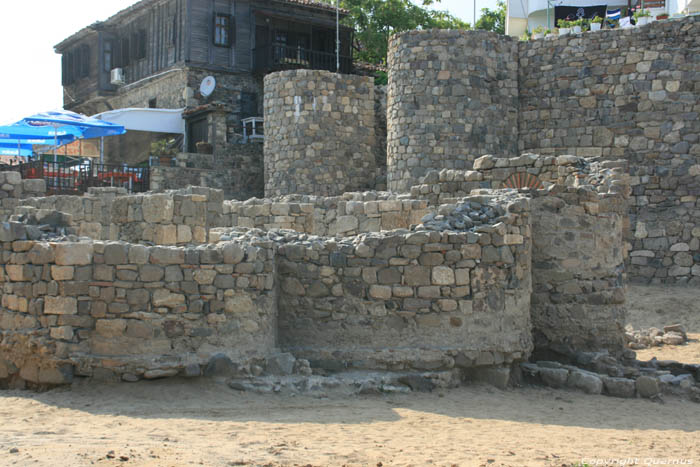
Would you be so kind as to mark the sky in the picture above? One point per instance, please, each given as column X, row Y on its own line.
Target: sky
column 31, row 78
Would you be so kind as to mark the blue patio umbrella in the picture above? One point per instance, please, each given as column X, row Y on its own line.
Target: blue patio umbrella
column 21, row 137
column 22, row 152
column 78, row 125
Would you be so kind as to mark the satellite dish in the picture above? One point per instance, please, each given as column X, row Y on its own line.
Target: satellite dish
column 208, row 85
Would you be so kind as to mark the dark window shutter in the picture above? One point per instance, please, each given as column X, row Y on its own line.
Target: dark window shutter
column 125, row 52
column 64, row 69
column 231, row 32
column 85, row 61
column 142, row 43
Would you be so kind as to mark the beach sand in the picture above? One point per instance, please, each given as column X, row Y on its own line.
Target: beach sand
column 203, row 422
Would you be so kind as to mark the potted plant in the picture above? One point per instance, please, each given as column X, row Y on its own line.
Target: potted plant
column 525, row 36
column 596, row 23
column 576, row 26
column 164, row 150
column 548, row 33
column 662, row 16
column 564, row 27
column 642, row 17
column 538, row 33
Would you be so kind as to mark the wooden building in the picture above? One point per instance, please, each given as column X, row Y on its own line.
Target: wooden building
column 156, row 53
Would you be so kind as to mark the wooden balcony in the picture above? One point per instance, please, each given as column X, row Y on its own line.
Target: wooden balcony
column 277, row 57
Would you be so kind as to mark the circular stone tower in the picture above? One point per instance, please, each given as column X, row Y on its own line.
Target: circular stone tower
column 452, row 97
column 319, row 133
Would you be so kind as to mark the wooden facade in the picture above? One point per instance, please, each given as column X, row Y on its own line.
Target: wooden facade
column 155, row 36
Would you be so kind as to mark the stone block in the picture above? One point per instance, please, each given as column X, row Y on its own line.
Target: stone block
column 61, row 273
column 116, row 253
column 157, row 208
column 239, row 304
column 647, row 386
column 165, row 234
column 184, row 234
column 19, row 272
column 586, row 381
column 69, row 254
column 204, row 276
column 62, row 332
column 443, row 275
column 60, row 305
column 151, row 273
column 497, row 377
column 417, row 275
column 165, row 298
column 554, row 377
column 110, row 327
column 233, row 254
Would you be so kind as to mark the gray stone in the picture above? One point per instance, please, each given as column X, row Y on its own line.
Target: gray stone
column 555, row 377
column 417, row 383
column 280, row 364
column 587, row 381
column 647, row 386
column 220, row 365
column 619, row 387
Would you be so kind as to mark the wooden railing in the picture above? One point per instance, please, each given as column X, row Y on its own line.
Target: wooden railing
column 277, row 57
column 63, row 178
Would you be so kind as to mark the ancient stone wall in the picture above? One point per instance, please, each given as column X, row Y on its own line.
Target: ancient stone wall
column 529, row 171
column 632, row 94
column 108, row 309
column 380, row 103
column 175, row 217
column 452, row 97
column 238, row 172
column 319, row 133
column 88, row 216
column 578, row 300
column 421, row 300
column 343, row 216
column 13, row 188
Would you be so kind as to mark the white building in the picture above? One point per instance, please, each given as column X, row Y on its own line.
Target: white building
column 526, row 15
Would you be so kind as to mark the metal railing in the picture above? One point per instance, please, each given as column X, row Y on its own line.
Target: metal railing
column 65, row 178
column 282, row 57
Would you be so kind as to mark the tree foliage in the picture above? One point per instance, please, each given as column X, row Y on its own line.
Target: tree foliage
column 376, row 20
column 493, row 20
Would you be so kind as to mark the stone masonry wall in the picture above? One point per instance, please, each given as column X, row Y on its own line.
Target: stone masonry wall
column 527, row 171
column 632, row 94
column 89, row 215
column 420, row 300
column 452, row 97
column 319, row 133
column 175, row 217
column 108, row 309
column 238, row 172
column 344, row 216
column 579, row 215
column 13, row 188
column 578, row 300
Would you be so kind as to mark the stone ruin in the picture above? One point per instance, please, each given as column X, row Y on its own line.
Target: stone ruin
column 448, row 283
column 472, row 266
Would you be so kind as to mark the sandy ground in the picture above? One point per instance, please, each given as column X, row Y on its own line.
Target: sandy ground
column 177, row 422
column 657, row 306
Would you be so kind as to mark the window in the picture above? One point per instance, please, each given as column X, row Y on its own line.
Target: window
column 223, row 30
column 138, row 44
column 76, row 64
column 67, row 68
column 107, row 56
column 142, row 44
column 84, row 61
column 173, row 32
column 124, row 57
